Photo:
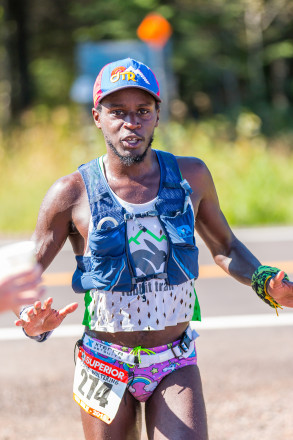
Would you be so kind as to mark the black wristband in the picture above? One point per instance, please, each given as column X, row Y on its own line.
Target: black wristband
column 39, row 338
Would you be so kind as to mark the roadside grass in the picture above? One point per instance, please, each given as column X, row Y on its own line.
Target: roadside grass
column 253, row 174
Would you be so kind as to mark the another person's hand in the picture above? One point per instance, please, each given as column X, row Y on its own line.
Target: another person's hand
column 281, row 290
column 41, row 319
column 18, row 290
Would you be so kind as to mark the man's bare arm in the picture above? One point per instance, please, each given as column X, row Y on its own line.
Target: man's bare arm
column 56, row 216
column 54, row 226
column 228, row 252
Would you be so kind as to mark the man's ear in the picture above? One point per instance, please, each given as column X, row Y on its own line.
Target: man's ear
column 158, row 117
column 96, row 116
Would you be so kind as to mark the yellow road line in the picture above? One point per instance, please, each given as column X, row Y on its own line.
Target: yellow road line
column 205, row 271
column 214, row 271
column 57, row 279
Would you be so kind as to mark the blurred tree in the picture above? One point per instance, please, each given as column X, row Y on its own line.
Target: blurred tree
column 5, row 83
column 228, row 54
column 16, row 56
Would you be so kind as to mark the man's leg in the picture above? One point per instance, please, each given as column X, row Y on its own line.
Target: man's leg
column 125, row 426
column 176, row 410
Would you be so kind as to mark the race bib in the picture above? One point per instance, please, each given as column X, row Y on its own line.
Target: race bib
column 98, row 386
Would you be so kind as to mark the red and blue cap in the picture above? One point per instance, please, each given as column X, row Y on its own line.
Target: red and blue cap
column 124, row 74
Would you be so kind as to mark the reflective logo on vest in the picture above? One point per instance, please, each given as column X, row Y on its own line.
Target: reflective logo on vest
column 106, row 219
column 184, row 231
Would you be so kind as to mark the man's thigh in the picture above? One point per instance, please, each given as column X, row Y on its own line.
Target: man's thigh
column 176, row 410
column 125, row 426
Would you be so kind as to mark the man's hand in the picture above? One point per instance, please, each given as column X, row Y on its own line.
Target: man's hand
column 281, row 290
column 43, row 319
column 18, row 290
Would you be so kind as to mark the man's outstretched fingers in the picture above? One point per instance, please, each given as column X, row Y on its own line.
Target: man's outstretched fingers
column 30, row 312
column 47, row 303
column 20, row 322
column 68, row 309
column 37, row 307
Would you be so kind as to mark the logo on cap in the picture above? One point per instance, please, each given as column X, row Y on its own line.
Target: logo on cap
column 128, row 73
column 121, row 72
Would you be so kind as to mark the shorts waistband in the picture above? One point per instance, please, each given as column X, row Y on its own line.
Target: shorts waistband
column 143, row 357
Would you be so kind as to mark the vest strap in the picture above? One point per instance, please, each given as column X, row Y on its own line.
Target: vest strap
column 102, row 195
column 172, row 185
column 141, row 227
column 185, row 185
column 187, row 188
column 128, row 216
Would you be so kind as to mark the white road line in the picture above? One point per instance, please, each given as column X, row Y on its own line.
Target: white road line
column 64, row 331
column 209, row 323
column 244, row 321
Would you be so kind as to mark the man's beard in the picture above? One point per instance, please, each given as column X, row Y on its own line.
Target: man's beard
column 130, row 160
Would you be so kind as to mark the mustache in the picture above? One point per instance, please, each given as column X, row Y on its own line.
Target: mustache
column 130, row 160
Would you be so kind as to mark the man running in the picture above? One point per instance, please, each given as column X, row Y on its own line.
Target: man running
column 130, row 216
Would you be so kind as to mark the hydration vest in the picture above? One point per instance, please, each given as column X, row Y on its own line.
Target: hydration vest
column 110, row 266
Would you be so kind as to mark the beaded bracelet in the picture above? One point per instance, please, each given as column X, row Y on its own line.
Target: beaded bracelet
column 259, row 281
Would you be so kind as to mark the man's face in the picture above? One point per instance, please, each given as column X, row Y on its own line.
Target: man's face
column 128, row 119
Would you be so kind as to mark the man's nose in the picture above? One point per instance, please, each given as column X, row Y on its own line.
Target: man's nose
column 131, row 121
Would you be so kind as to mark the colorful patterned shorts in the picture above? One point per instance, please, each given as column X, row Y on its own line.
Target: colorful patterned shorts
column 142, row 381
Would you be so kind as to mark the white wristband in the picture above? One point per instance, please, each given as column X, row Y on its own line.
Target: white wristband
column 23, row 313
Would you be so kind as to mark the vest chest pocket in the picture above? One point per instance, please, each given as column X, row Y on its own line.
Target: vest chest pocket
column 180, row 228
column 108, row 271
column 183, row 263
column 110, row 242
column 183, row 254
column 109, row 265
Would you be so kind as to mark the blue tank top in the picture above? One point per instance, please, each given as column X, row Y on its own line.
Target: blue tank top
column 110, row 266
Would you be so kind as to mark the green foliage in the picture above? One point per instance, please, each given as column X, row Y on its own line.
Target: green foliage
column 52, row 80
column 237, row 52
column 233, row 63
column 252, row 173
column 284, row 49
column 45, row 146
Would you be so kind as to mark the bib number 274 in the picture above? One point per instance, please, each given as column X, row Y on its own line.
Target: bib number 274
column 98, row 386
column 92, row 387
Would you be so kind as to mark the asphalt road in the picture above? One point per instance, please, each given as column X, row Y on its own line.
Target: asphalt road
column 245, row 363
